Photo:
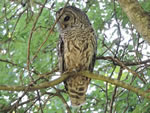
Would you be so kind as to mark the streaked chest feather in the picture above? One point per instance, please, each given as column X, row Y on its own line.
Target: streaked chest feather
column 79, row 48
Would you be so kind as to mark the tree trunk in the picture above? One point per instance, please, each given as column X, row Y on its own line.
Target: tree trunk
column 138, row 17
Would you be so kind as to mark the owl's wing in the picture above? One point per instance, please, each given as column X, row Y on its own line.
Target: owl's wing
column 60, row 49
column 91, row 67
column 61, row 61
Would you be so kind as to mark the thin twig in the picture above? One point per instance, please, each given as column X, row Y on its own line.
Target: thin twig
column 51, row 30
column 30, row 36
column 124, row 66
column 127, row 63
column 115, row 92
column 63, row 100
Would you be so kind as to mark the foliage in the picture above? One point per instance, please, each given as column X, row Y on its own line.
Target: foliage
column 117, row 38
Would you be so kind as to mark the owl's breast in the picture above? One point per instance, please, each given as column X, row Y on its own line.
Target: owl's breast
column 79, row 48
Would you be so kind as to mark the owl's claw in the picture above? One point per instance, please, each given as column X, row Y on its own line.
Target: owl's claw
column 71, row 71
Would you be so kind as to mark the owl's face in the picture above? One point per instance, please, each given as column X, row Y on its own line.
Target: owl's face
column 72, row 17
column 66, row 20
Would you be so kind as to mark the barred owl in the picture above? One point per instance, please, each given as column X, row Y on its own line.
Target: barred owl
column 76, row 51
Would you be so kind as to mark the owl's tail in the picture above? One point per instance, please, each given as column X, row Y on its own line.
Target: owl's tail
column 77, row 87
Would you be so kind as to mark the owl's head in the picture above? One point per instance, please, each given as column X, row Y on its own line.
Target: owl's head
column 72, row 17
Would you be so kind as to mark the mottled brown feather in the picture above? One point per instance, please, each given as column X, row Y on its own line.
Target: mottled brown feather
column 76, row 51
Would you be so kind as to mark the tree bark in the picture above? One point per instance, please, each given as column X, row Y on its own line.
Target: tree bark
column 138, row 17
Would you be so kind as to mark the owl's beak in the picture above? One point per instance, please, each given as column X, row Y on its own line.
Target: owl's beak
column 62, row 26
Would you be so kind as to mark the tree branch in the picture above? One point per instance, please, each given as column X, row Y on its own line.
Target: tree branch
column 127, row 63
column 125, row 67
column 117, row 83
column 84, row 73
column 35, row 87
column 7, row 61
column 50, row 31
column 30, row 37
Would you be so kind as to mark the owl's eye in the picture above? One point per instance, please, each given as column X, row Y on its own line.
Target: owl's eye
column 66, row 18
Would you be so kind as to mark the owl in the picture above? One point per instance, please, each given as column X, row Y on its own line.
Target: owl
column 76, row 51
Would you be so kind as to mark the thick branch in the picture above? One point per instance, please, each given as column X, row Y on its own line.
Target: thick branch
column 138, row 17
column 34, row 87
column 84, row 73
column 117, row 83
